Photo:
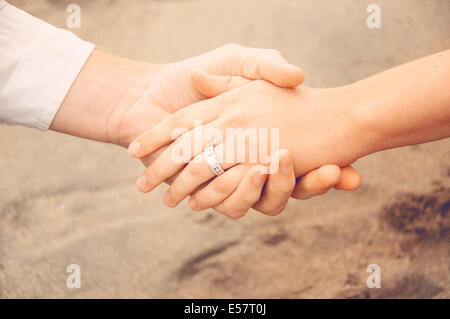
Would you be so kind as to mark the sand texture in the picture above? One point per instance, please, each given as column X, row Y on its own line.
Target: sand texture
column 69, row 201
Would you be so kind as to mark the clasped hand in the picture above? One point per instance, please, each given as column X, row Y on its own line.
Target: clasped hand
column 314, row 130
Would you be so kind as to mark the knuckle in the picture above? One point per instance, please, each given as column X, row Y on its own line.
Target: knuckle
column 176, row 191
column 274, row 52
column 322, row 188
column 250, row 200
column 228, row 80
column 219, row 209
column 153, row 173
column 285, row 153
column 289, row 186
column 319, row 193
column 300, row 194
column 176, row 119
column 196, row 170
column 273, row 211
column 219, row 105
column 283, row 187
column 278, row 211
column 230, row 210
column 236, row 214
column 252, row 68
column 231, row 118
column 220, row 187
column 231, row 46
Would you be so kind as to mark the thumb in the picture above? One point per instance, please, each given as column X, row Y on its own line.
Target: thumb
column 273, row 68
column 211, row 85
column 262, row 64
column 350, row 180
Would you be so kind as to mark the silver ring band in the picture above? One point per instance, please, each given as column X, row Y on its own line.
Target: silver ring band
column 212, row 161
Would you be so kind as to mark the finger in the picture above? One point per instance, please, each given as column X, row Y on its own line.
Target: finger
column 261, row 64
column 175, row 157
column 317, row 182
column 148, row 160
column 196, row 173
column 174, row 125
column 215, row 192
column 211, row 85
column 350, row 180
column 246, row 195
column 279, row 187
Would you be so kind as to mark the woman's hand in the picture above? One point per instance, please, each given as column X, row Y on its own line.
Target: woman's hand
column 237, row 189
column 311, row 124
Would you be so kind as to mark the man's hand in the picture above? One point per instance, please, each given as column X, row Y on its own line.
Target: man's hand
column 253, row 105
column 169, row 88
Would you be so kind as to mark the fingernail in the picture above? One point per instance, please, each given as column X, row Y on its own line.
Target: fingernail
column 142, row 183
column 168, row 200
column 192, row 203
column 258, row 179
column 286, row 166
column 133, row 148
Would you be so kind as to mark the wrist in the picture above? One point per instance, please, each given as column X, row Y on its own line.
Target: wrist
column 368, row 133
column 325, row 129
column 352, row 130
column 105, row 85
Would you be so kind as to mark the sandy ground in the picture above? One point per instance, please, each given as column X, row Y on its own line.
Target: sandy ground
column 65, row 200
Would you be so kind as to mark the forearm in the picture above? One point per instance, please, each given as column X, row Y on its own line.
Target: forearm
column 105, row 85
column 406, row 105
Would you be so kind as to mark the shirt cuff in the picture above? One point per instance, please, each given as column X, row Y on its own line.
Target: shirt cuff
column 39, row 65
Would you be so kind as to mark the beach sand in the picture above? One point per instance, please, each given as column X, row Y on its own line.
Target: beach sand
column 69, row 201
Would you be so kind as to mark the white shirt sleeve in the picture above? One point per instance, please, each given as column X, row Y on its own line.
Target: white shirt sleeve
column 38, row 64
